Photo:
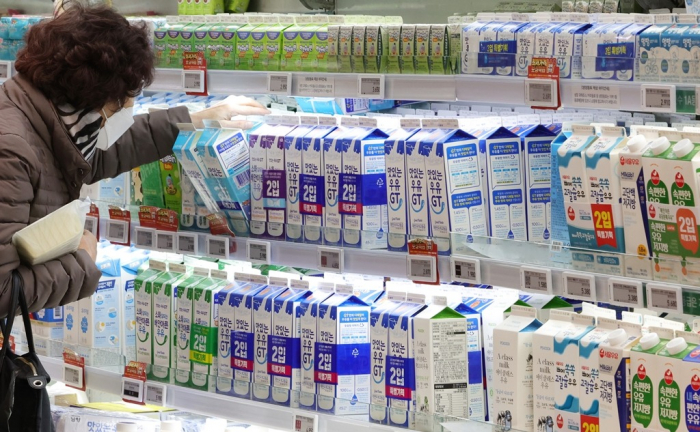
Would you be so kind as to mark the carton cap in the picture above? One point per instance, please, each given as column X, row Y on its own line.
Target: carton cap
column 676, row 346
column 683, row 147
column 659, row 145
column 636, row 143
column 649, row 341
column 616, row 337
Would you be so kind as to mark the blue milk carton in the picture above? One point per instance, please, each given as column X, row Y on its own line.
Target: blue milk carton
column 284, row 347
column 333, row 145
column 568, row 46
column 227, row 320
column 418, row 148
column 263, row 307
column 652, row 57
column 470, row 46
column 525, row 46
column 507, row 38
column 243, row 340
column 293, row 168
column 308, row 314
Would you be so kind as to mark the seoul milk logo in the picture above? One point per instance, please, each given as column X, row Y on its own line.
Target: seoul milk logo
column 571, row 213
column 655, row 179
column 608, row 354
column 560, row 421
column 680, row 181
column 652, row 211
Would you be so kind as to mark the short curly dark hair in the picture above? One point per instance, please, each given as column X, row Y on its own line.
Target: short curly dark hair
column 87, row 57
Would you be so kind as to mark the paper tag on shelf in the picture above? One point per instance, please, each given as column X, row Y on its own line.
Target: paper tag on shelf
column 331, row 259
column 579, row 286
column 117, row 231
column 165, row 241
column 535, row 279
column 218, row 247
column 133, row 382
column 145, row 237
column 465, row 270
column 664, row 298
column 370, row 86
column 194, row 73
column 5, row 70
column 316, row 86
column 305, row 422
column 422, row 262
column 626, row 292
column 258, row 251
column 541, row 93
column 193, row 81
column 155, row 393
column 73, row 369
column 91, row 223
column 187, row 243
column 594, row 95
column 659, row 97
column 279, row 83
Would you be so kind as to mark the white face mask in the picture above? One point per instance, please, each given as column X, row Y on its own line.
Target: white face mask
column 115, row 127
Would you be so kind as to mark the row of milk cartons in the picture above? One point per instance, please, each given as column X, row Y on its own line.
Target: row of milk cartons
column 582, row 372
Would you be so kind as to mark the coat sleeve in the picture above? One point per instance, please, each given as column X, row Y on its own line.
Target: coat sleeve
column 150, row 138
column 47, row 285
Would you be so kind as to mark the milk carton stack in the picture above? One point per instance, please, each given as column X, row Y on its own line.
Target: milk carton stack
column 652, row 57
column 293, row 167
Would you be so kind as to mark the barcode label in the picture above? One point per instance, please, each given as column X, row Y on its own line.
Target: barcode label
column 242, row 179
column 330, row 259
column 579, row 286
column 279, row 83
column 217, row 247
column 421, row 268
column 132, row 390
column 258, row 251
column 536, row 279
column 557, row 246
column 117, row 231
column 58, row 312
column 187, row 244
column 193, row 81
column 165, row 241
column 466, row 270
column 144, row 237
column 155, row 394
column 659, row 97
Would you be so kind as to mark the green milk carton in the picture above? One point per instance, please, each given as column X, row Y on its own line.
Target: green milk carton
column 273, row 41
column 170, row 182
column 319, row 53
column 213, row 41
column 228, row 39
column 393, row 56
column 290, row 47
column 160, row 42
column 671, row 411
column 200, row 34
column 211, row 7
column 174, row 55
column 307, row 38
column 185, row 41
column 376, row 46
column 439, row 50
column 334, row 23
column 357, row 58
column 244, row 43
column 151, row 188
column 345, row 33
column 422, row 49
column 408, row 49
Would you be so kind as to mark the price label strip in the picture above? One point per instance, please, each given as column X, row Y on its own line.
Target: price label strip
column 117, row 231
column 465, row 270
column 279, row 83
column 331, row 259
column 421, row 268
column 218, row 247
column 371, row 86
column 155, row 394
column 541, row 92
column 187, row 244
column 305, row 423
column 665, row 298
column 5, row 70
column 145, row 237
column 579, row 286
column 535, row 279
column 626, row 292
column 165, row 241
column 258, row 251
column 659, row 98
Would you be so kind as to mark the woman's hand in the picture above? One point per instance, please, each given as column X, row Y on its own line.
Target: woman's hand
column 89, row 244
column 230, row 107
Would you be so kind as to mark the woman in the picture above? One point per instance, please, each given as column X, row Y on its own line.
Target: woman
column 65, row 121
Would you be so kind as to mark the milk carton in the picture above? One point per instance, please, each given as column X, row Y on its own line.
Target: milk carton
column 690, row 386
column 422, row 49
column 475, row 362
column 418, row 148
column 284, row 348
column 615, row 377
column 440, row 348
column 48, row 323
column 332, row 165
column 671, row 412
column 525, row 45
column 652, row 55
column 513, row 395
column 363, row 190
column 379, row 337
column 568, row 373
column 568, row 48
column 646, row 378
column 143, row 311
column 293, row 168
column 227, row 320
column 544, row 39
column 70, row 323
column 312, row 181
column 100, row 315
column 408, row 49
column 343, row 352
column 544, row 369
column 397, row 187
column 400, row 389
column 308, row 314
column 263, row 305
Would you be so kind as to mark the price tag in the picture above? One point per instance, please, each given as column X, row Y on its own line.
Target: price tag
column 330, row 259
column 541, row 92
column 316, row 86
column 187, row 243
column 371, row 86
column 117, row 231
column 556, row 247
column 165, row 241
column 156, row 393
column 145, row 237
column 279, row 83
column 465, row 270
column 305, row 423
column 258, row 251
column 579, row 286
column 664, row 298
column 626, row 292
column 5, row 70
column 132, row 390
column 73, row 369
column 91, row 224
column 421, row 268
column 193, row 81
column 536, row 279
column 217, row 247
column 659, row 98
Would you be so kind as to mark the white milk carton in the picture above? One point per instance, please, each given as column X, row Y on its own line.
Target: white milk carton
column 397, row 184
column 71, row 312
column 526, row 48
column 508, row 46
column 470, row 46
column 243, row 339
column 284, row 347
column 342, row 371
column 568, row 48
column 312, row 199
column 143, row 312
column 568, row 373
column 646, row 377
column 400, row 388
column 130, row 265
column 263, row 306
column 293, row 167
column 184, row 304
column 440, row 348
column 513, row 395
column 418, row 148
column 634, row 215
column 544, row 369
column 475, row 362
column 544, row 39
column 227, row 320
column 100, row 315
column 676, row 41
column 651, row 52
column 379, row 337
column 615, row 377
column 506, row 179
column 308, row 311
column 333, row 145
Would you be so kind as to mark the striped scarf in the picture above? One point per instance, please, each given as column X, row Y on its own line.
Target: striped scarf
column 83, row 127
